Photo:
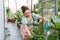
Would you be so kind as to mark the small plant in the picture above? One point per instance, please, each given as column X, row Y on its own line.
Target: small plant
column 7, row 14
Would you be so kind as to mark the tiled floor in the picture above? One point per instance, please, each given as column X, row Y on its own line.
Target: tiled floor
column 14, row 32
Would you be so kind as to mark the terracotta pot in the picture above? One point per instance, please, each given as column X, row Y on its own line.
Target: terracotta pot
column 12, row 20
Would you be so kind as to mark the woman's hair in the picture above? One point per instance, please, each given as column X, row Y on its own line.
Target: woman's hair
column 24, row 8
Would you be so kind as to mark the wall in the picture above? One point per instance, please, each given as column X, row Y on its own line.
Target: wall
column 1, row 21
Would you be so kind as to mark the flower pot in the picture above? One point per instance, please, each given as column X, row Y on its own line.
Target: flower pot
column 12, row 20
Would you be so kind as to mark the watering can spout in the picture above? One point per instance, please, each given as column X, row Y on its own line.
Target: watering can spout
column 47, row 26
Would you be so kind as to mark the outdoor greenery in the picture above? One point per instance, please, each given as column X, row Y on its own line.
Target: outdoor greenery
column 38, row 33
column 45, row 8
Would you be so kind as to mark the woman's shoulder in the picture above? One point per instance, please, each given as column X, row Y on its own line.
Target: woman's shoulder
column 34, row 13
column 36, row 16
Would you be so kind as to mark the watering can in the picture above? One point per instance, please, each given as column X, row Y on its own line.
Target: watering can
column 47, row 28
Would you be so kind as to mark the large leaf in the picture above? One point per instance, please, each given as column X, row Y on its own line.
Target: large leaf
column 18, row 16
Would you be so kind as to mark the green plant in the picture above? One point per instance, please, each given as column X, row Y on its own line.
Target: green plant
column 18, row 15
column 7, row 11
column 53, row 36
column 38, row 33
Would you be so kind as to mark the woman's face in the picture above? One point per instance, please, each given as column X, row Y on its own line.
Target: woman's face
column 27, row 13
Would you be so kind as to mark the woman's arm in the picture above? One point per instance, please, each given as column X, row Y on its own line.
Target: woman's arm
column 27, row 30
column 36, row 16
column 44, row 19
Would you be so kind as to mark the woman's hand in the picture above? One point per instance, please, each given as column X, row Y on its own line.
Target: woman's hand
column 27, row 30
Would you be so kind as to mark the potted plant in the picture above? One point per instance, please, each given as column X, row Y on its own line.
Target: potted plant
column 12, row 18
column 7, row 14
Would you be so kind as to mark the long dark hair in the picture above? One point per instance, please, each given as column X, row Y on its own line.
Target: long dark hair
column 24, row 8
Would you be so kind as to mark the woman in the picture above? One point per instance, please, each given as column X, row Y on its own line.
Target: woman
column 27, row 21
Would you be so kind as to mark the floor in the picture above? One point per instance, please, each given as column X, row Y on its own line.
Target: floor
column 14, row 32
